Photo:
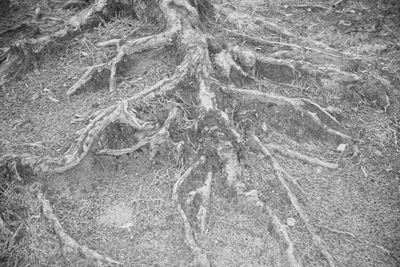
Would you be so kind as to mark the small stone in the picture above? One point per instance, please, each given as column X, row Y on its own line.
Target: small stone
column 341, row 147
column 290, row 221
column 35, row 96
column 127, row 226
column 264, row 126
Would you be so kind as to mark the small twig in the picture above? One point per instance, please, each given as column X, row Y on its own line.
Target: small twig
column 10, row 242
column 12, row 165
column 36, row 144
column 295, row 181
column 339, row 4
column 3, row 227
column 379, row 247
column 113, row 42
column 50, row 95
column 16, row 27
column 311, row 7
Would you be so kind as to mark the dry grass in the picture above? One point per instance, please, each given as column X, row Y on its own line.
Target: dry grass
column 127, row 214
column 29, row 241
column 28, row 104
column 123, row 207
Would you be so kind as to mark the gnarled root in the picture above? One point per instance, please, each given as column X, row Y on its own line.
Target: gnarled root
column 155, row 141
column 116, row 113
column 218, row 136
column 316, row 113
column 129, row 48
column 23, row 56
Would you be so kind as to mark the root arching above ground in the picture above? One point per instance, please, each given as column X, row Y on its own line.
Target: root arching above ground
column 204, row 119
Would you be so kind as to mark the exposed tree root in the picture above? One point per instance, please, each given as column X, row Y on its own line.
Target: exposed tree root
column 70, row 245
column 86, row 77
column 282, row 229
column 204, row 193
column 360, row 239
column 3, row 227
column 116, row 113
column 339, row 4
column 200, row 258
column 306, row 58
column 217, row 134
column 12, row 239
column 13, row 171
column 301, row 67
column 308, row 108
column 25, row 55
column 282, row 31
column 73, row 4
column 155, row 141
column 259, row 41
column 297, row 155
column 226, row 63
column 293, row 199
column 288, row 70
column 232, row 171
column 129, row 48
column 312, row 7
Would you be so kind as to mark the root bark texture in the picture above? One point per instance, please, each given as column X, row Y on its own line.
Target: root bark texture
column 200, row 258
column 116, row 113
column 283, row 230
column 308, row 108
column 297, row 155
column 24, row 55
column 219, row 140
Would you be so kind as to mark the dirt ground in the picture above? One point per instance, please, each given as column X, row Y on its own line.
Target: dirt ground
column 123, row 207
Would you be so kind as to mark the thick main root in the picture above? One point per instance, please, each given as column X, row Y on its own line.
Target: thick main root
column 219, row 136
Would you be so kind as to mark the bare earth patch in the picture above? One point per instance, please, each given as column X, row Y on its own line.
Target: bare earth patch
column 199, row 133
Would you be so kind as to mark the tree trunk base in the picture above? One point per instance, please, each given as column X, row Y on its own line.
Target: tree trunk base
column 219, row 120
